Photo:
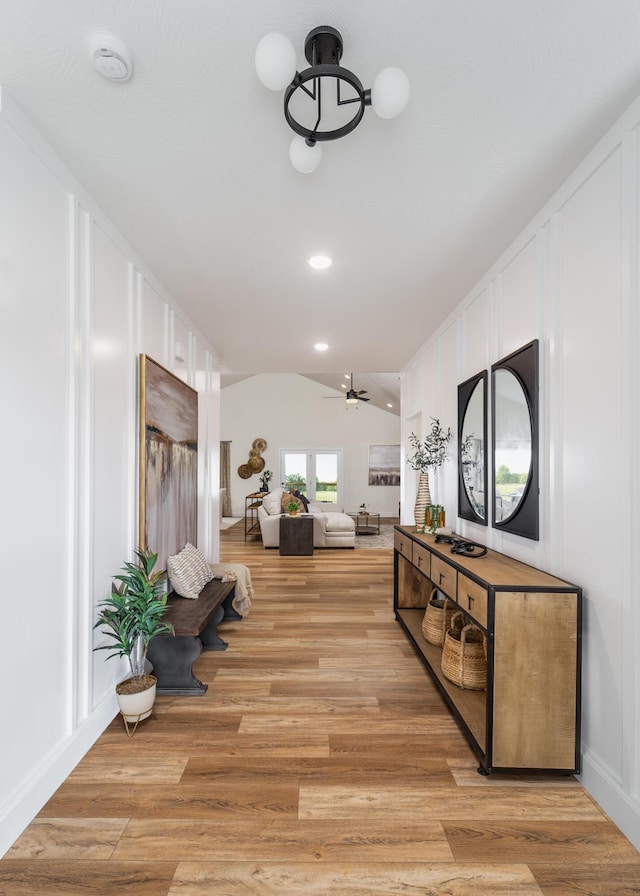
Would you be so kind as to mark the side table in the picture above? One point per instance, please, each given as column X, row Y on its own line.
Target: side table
column 296, row 535
column 366, row 523
column 251, row 504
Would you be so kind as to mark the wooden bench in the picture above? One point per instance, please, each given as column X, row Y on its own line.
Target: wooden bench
column 195, row 623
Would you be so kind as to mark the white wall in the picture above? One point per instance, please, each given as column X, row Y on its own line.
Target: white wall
column 77, row 308
column 291, row 411
column 570, row 280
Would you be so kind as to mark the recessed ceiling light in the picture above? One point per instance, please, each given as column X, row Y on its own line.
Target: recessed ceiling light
column 389, row 405
column 320, row 262
column 343, row 385
column 321, row 346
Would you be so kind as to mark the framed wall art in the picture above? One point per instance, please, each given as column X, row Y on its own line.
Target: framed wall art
column 384, row 464
column 168, row 461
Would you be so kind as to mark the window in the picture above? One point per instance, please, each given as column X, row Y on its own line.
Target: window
column 314, row 472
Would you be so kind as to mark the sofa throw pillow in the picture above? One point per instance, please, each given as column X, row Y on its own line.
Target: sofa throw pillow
column 271, row 502
column 303, row 498
column 288, row 498
column 186, row 576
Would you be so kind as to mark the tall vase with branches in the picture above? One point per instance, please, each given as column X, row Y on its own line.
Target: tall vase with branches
column 428, row 454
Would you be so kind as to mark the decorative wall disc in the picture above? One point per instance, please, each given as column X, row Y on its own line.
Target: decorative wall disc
column 259, row 444
column 245, row 471
column 256, row 464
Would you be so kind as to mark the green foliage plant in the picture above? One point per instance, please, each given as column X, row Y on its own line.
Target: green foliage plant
column 135, row 608
column 432, row 453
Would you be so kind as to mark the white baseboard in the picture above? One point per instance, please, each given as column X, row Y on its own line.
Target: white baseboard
column 606, row 791
column 26, row 801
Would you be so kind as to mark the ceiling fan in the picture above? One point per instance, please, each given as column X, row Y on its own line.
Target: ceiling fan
column 353, row 396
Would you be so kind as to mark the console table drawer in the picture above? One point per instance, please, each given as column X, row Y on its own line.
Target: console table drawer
column 444, row 577
column 402, row 544
column 422, row 559
column 473, row 599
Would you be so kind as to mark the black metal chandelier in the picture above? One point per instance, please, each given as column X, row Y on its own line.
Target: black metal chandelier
column 303, row 98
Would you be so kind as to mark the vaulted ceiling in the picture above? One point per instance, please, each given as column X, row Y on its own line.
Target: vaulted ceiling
column 189, row 158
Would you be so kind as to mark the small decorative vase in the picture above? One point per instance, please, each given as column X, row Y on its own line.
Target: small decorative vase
column 422, row 499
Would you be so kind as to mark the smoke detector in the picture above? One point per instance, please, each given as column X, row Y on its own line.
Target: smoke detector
column 110, row 57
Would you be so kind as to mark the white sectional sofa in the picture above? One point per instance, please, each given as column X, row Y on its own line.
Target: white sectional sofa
column 332, row 528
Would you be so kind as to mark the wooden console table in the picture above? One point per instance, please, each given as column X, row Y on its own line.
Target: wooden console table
column 528, row 718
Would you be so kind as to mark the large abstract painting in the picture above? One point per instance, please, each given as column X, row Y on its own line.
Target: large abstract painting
column 384, row 464
column 168, row 461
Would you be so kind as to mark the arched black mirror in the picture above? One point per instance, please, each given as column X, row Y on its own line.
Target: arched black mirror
column 514, row 399
column 472, row 448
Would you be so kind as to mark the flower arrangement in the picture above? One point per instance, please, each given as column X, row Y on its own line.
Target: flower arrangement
column 265, row 479
column 427, row 455
column 432, row 453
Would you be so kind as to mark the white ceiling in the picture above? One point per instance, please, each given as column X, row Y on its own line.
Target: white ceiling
column 382, row 389
column 190, row 157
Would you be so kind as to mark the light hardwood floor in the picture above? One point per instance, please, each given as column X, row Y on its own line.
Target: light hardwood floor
column 321, row 761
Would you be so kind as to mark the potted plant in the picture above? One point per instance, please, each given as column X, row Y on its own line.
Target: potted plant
column 265, row 479
column 427, row 455
column 293, row 508
column 131, row 616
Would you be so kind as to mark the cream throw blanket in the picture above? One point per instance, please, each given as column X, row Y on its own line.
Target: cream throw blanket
column 238, row 573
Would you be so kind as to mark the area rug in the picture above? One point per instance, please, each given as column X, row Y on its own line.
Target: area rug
column 228, row 521
column 384, row 540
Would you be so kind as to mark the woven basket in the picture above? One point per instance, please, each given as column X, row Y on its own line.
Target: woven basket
column 464, row 655
column 437, row 618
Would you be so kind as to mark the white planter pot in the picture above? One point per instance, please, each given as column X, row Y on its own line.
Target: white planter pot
column 138, row 705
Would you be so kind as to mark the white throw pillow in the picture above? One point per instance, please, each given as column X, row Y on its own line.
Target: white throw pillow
column 188, row 572
column 271, row 502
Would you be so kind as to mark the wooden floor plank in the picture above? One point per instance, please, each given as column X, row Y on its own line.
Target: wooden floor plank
column 269, row 879
column 584, row 842
column 321, row 761
column 56, row 838
column 578, row 880
column 283, row 840
column 63, row 877
column 339, row 801
column 210, row 801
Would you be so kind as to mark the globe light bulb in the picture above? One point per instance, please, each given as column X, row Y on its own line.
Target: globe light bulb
column 390, row 92
column 275, row 61
column 304, row 159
